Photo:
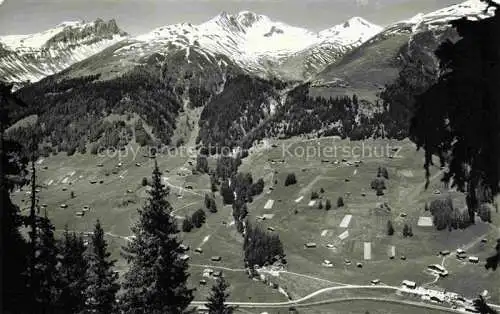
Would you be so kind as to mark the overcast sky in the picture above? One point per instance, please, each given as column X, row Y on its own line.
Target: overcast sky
column 140, row 16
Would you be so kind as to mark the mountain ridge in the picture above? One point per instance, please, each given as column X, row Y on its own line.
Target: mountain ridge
column 31, row 57
column 254, row 41
column 203, row 71
column 258, row 44
column 366, row 69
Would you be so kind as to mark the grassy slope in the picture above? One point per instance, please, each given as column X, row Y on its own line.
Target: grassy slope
column 369, row 224
column 366, row 69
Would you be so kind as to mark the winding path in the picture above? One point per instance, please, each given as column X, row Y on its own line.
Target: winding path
column 301, row 300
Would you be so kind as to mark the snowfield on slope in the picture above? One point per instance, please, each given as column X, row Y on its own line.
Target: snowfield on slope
column 249, row 38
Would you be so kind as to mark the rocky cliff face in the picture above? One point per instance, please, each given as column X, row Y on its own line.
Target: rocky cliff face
column 29, row 58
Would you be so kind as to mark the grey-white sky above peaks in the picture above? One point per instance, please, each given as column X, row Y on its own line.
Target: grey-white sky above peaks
column 140, row 16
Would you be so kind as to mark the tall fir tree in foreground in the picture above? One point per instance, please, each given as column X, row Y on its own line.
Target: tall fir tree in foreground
column 44, row 269
column 458, row 118
column 218, row 297
column 13, row 247
column 156, row 281
column 101, row 280
column 73, row 268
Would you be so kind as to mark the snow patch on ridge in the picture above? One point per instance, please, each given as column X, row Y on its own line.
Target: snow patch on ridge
column 249, row 38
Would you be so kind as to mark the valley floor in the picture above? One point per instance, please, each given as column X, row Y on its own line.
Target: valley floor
column 362, row 238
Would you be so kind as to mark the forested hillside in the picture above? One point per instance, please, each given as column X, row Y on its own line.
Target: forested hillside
column 251, row 109
column 72, row 111
column 245, row 103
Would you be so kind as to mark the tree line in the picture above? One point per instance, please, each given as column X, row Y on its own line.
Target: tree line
column 261, row 248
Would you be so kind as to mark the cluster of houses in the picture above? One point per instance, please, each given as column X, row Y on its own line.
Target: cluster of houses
column 210, row 273
column 461, row 255
column 437, row 295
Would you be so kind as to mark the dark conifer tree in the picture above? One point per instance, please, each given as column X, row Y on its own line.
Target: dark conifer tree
column 198, row 218
column 44, row 264
column 101, row 280
column 207, row 201
column 407, row 231
column 340, row 202
column 32, row 221
column 458, row 118
column 328, row 204
column 258, row 187
column 73, row 268
column 226, row 193
column 212, row 205
column 494, row 260
column 187, row 224
column 399, row 97
column 218, row 297
column 45, row 281
column 261, row 247
column 213, row 182
column 12, row 171
column 202, row 164
column 290, row 179
column 390, row 228
column 157, row 279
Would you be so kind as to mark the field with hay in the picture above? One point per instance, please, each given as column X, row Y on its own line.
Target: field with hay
column 111, row 187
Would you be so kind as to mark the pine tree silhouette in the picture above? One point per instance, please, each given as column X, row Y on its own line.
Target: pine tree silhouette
column 73, row 268
column 13, row 263
column 44, row 270
column 218, row 297
column 101, row 280
column 156, row 280
column 459, row 116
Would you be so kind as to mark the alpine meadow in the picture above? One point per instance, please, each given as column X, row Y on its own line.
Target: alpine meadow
column 246, row 165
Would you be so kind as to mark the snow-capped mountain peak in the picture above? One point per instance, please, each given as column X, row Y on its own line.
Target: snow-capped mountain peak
column 251, row 36
column 30, row 41
column 225, row 21
column 354, row 30
column 70, row 23
column 358, row 21
column 79, row 31
column 31, row 57
column 247, row 18
column 252, row 41
column 471, row 9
